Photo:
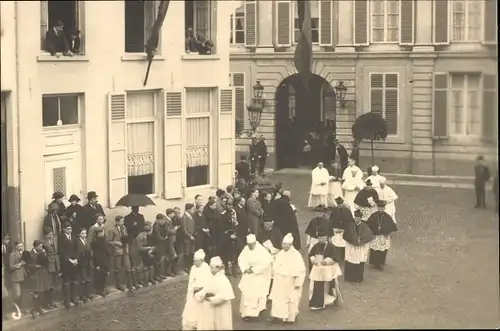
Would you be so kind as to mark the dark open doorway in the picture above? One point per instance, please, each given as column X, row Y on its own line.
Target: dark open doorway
column 300, row 113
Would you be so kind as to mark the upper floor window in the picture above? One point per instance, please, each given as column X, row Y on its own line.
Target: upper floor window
column 61, row 26
column 385, row 21
column 465, row 105
column 237, row 26
column 60, row 110
column 140, row 16
column 314, row 21
column 466, row 17
column 200, row 21
column 384, row 98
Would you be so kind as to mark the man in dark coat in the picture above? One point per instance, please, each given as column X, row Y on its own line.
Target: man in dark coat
column 57, row 199
column 339, row 217
column 382, row 225
column 212, row 216
column 84, row 256
column 91, row 209
column 357, row 236
column 160, row 233
column 100, row 254
column 134, row 223
column 366, row 200
column 342, row 153
column 68, row 258
column 242, row 218
column 201, row 230
column 262, row 154
column 56, row 41
column 229, row 249
column 482, row 176
column 243, row 169
column 75, row 211
column 287, row 220
column 254, row 155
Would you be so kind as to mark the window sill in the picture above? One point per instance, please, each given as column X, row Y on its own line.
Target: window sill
column 140, row 57
column 194, row 56
column 51, row 58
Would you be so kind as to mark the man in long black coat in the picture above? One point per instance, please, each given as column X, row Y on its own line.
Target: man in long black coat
column 254, row 155
column 69, row 265
column 342, row 153
column 287, row 220
column 262, row 154
column 91, row 209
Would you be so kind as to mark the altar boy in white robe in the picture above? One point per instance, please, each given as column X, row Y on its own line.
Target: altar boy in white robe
column 387, row 194
column 216, row 312
column 289, row 273
column 353, row 183
column 255, row 264
column 319, row 187
column 198, row 277
column 323, row 276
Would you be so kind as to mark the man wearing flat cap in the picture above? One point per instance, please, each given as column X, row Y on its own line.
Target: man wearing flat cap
column 57, row 198
column 91, row 209
column 382, row 225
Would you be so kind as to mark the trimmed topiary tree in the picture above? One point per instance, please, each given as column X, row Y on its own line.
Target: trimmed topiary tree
column 369, row 126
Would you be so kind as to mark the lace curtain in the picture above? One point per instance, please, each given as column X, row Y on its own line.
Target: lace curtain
column 198, row 101
column 197, row 141
column 140, row 142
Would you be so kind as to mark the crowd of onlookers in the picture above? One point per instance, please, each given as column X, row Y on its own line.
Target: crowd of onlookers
column 77, row 252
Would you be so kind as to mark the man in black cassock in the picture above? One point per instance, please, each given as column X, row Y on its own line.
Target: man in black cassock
column 340, row 150
column 319, row 223
column 287, row 220
column 262, row 152
column 357, row 236
column 382, row 225
column 366, row 200
column 339, row 217
column 254, row 155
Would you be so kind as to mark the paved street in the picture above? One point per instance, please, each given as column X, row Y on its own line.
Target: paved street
column 442, row 273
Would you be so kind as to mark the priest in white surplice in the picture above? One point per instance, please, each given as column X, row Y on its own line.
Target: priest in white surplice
column 216, row 313
column 375, row 177
column 198, row 277
column 255, row 263
column 387, row 194
column 319, row 187
column 353, row 183
column 289, row 274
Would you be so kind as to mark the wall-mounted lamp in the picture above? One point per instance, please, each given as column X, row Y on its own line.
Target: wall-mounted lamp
column 340, row 93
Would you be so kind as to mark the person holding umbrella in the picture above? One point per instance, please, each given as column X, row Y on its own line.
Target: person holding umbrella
column 134, row 223
column 91, row 209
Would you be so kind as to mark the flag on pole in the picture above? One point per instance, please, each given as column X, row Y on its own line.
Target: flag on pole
column 303, row 51
column 152, row 43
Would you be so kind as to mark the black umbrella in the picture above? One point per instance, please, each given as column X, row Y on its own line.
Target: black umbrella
column 135, row 200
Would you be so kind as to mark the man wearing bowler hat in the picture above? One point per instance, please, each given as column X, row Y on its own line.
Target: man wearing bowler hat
column 57, row 199
column 75, row 211
column 91, row 209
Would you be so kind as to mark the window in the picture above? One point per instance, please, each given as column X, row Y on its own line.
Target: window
column 385, row 21
column 384, row 98
column 59, row 180
column 200, row 21
column 70, row 13
column 465, row 105
column 59, row 110
column 314, row 21
column 199, row 105
column 466, row 20
column 237, row 26
column 140, row 16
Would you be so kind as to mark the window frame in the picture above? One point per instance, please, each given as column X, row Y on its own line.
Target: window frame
column 152, row 5
column 383, row 89
column 465, row 98
column 386, row 16
column 212, row 19
column 232, row 27
column 80, row 18
column 80, row 99
column 466, row 22
column 296, row 30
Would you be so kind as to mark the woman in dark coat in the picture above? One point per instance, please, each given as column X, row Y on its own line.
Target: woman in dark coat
column 40, row 281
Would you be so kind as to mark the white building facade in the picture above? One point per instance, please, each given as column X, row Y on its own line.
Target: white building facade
column 86, row 123
column 429, row 67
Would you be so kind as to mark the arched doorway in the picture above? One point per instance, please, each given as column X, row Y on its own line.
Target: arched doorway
column 300, row 113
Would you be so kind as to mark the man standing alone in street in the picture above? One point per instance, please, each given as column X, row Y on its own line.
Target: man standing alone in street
column 482, row 176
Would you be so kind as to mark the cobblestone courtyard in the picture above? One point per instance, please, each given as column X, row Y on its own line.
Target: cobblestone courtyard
column 442, row 273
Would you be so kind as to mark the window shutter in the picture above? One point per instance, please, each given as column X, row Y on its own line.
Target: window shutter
column 117, row 148
column 490, row 108
column 239, row 101
column 377, row 93
column 250, row 23
column 325, row 22
column 361, row 23
column 441, row 22
column 391, row 103
column 490, row 22
column 406, row 21
column 283, row 23
column 226, row 156
column 440, row 106
column 174, row 152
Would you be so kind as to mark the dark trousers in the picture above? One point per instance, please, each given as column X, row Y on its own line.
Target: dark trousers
column 480, row 195
column 253, row 165
column 354, row 273
column 70, row 282
column 100, row 277
column 377, row 258
column 85, row 277
column 262, row 165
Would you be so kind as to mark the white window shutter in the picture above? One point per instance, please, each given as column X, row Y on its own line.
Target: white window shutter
column 326, row 22
column 238, row 80
column 226, row 138
column 250, row 23
column 406, row 22
column 441, row 22
column 173, row 137
column 117, row 148
column 284, row 23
